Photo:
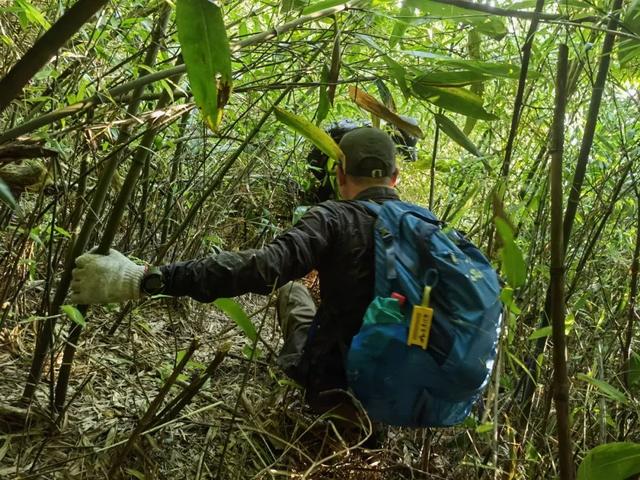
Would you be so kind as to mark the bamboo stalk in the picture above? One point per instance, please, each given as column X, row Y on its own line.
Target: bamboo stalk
column 142, row 152
column 161, row 75
column 561, row 380
column 45, row 47
column 522, row 81
column 590, row 125
column 45, row 334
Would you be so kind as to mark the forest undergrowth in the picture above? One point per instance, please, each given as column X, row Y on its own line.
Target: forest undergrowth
column 527, row 129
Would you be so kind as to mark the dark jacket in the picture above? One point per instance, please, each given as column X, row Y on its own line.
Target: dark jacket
column 335, row 238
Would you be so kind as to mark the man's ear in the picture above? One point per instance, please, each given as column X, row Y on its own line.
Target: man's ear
column 394, row 178
column 340, row 175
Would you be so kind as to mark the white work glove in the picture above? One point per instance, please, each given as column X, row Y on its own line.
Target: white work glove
column 109, row 278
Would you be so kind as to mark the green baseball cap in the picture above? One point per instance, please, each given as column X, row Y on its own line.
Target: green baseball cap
column 369, row 152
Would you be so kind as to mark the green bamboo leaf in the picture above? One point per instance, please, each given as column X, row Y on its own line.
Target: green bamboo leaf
column 400, row 26
column 611, row 461
column 455, row 134
column 458, row 78
column 454, row 99
column 490, row 25
column 317, row 6
column 504, row 70
column 205, row 48
column 541, row 332
column 6, row 196
column 316, row 135
column 629, row 48
column 513, row 263
column 606, row 389
column 238, row 315
column 74, row 314
column 395, row 69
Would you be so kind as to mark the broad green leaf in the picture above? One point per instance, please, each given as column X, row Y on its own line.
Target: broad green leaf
column 317, row 6
column 541, row 332
column 629, row 48
column 454, row 99
column 62, row 232
column 32, row 14
column 74, row 314
column 6, row 196
column 505, row 70
column 513, row 263
column 611, row 461
column 455, row 134
column 506, row 296
column 458, row 78
column 395, row 69
column 491, row 25
column 205, row 48
column 238, row 315
column 400, row 26
column 249, row 352
column 289, row 5
column 485, row 427
column 316, row 135
column 606, row 389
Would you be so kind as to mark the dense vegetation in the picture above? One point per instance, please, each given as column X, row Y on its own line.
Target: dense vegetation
column 529, row 147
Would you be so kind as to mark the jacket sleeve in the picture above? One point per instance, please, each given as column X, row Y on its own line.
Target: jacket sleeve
column 228, row 274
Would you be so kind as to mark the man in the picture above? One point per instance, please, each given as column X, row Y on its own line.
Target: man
column 335, row 238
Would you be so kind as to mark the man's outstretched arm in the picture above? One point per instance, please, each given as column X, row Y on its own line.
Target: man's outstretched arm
column 291, row 255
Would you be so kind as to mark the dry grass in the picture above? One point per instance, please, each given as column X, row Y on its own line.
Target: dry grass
column 247, row 422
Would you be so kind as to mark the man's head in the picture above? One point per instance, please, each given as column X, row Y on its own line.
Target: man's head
column 370, row 160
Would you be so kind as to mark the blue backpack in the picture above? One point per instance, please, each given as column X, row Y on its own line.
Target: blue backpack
column 428, row 341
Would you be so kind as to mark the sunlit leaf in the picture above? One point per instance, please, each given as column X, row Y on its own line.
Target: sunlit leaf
column 611, row 461
column 316, row 135
column 454, row 99
column 400, row 26
column 541, row 332
column 238, row 315
column 74, row 314
column 371, row 105
column 513, row 263
column 629, row 48
column 490, row 25
column 505, row 70
column 207, row 56
column 317, row 6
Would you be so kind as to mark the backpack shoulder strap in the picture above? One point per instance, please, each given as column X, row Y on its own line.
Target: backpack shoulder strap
column 372, row 206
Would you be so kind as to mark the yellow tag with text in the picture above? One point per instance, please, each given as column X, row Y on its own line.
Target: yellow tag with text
column 420, row 328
